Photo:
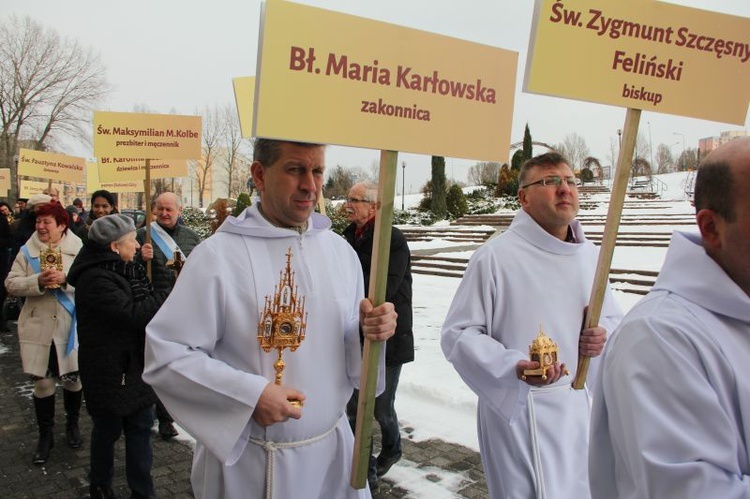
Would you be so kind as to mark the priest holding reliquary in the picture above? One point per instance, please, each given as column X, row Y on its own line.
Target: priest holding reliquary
column 257, row 350
column 533, row 426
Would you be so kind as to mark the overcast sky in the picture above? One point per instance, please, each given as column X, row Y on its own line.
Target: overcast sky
column 180, row 56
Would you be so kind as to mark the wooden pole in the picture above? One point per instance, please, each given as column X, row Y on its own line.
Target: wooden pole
column 147, row 194
column 609, row 238
column 376, row 294
column 322, row 203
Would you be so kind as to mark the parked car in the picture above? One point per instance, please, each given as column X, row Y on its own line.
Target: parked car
column 138, row 216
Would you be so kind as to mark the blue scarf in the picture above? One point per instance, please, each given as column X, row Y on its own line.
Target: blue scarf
column 62, row 298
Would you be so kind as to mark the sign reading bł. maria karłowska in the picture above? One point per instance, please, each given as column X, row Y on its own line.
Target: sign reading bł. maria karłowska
column 339, row 79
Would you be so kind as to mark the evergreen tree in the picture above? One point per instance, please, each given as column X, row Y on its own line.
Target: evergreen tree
column 455, row 201
column 527, row 146
column 243, row 201
column 517, row 161
column 438, row 205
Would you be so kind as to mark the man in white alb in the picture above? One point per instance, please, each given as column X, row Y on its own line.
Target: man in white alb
column 671, row 416
column 533, row 432
column 205, row 362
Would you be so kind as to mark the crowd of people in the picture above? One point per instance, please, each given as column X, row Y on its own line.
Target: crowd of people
column 662, row 415
column 85, row 300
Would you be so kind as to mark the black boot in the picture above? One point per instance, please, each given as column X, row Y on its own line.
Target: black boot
column 101, row 492
column 45, row 419
column 72, row 401
column 167, row 431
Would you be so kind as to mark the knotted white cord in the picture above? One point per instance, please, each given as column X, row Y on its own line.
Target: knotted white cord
column 272, row 447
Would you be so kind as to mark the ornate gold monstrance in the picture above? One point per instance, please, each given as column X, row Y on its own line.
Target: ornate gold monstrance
column 544, row 351
column 176, row 263
column 51, row 258
column 284, row 320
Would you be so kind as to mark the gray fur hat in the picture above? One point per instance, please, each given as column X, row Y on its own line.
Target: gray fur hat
column 110, row 228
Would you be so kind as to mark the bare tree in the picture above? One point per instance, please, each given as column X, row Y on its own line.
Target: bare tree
column 664, row 160
column 688, row 159
column 614, row 152
column 47, row 87
column 213, row 133
column 374, row 173
column 574, row 148
column 484, row 173
column 233, row 157
column 340, row 180
column 642, row 148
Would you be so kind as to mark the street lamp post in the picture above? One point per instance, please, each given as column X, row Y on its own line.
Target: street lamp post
column 619, row 136
column 403, row 183
column 683, row 148
column 651, row 145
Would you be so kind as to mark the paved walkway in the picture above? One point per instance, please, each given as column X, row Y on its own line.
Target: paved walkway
column 64, row 476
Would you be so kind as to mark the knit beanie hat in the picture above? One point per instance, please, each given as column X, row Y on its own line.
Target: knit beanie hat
column 110, row 228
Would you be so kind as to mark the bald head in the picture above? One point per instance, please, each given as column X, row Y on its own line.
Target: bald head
column 715, row 185
column 722, row 202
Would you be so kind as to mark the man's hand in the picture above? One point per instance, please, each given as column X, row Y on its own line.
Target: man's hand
column 274, row 405
column 591, row 343
column 147, row 252
column 378, row 323
column 554, row 373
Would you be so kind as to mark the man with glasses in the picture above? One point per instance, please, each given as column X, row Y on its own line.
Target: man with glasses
column 361, row 205
column 671, row 407
column 533, row 430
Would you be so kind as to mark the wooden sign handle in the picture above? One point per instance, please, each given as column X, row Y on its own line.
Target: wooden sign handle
column 616, row 202
column 376, row 294
column 147, row 195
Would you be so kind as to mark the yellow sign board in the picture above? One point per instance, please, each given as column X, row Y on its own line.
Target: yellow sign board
column 4, row 181
column 244, row 95
column 122, row 169
column 138, row 135
column 333, row 78
column 51, row 166
column 31, row 187
column 94, row 184
column 658, row 57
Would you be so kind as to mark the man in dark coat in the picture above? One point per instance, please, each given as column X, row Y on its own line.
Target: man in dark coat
column 167, row 209
column 399, row 349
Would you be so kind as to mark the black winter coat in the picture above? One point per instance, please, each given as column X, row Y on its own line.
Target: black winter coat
column 112, row 311
column 399, row 349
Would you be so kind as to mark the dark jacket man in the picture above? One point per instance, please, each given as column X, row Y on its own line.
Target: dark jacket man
column 399, row 348
column 167, row 210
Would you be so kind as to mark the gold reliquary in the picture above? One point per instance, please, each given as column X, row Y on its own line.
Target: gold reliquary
column 50, row 258
column 544, row 351
column 284, row 320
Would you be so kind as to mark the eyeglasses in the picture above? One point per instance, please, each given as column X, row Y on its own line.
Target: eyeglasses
column 553, row 182
column 356, row 200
